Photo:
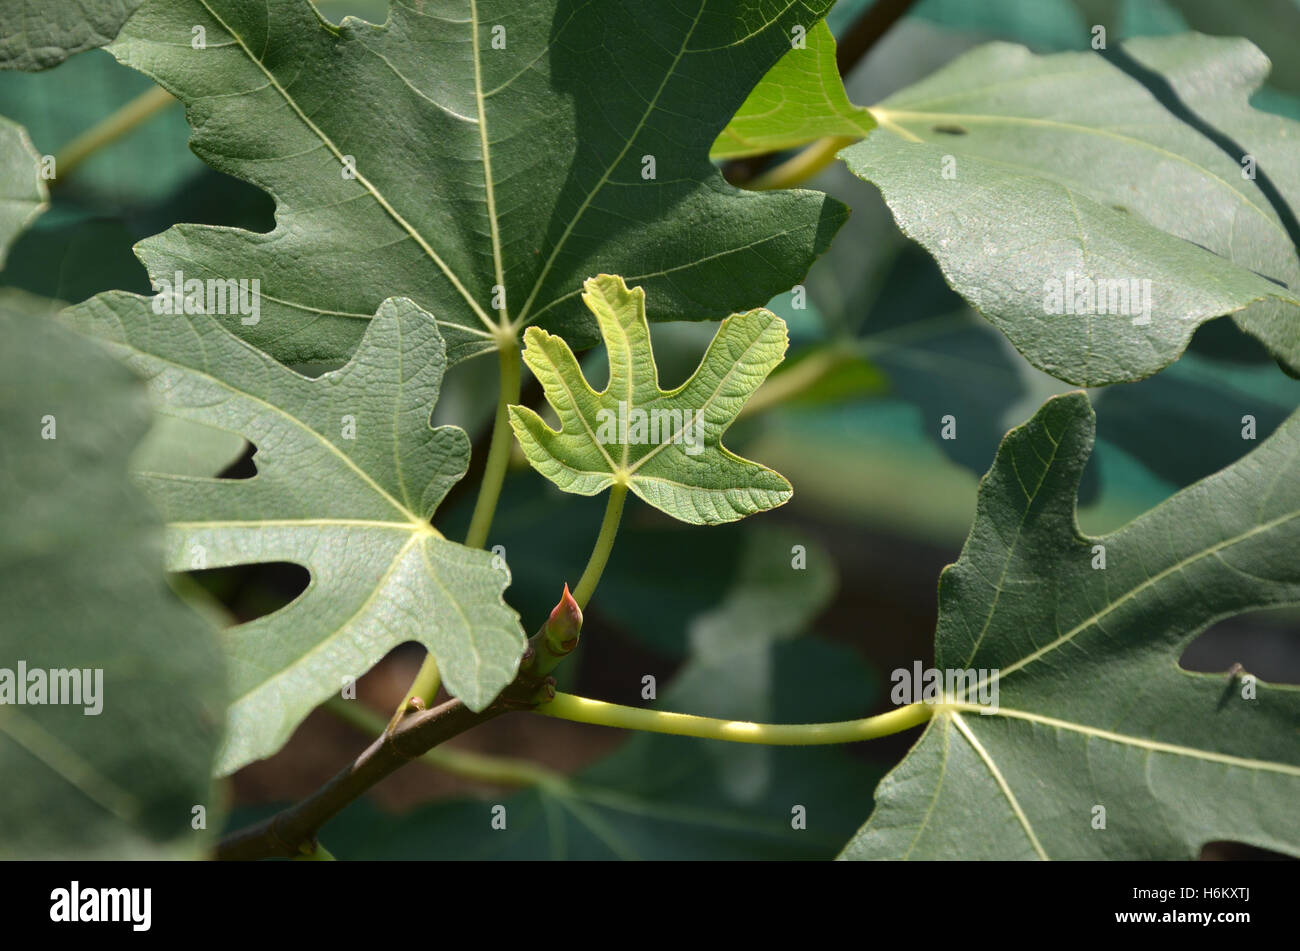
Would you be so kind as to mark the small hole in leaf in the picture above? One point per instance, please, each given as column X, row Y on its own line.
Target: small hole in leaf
column 251, row 591
column 950, row 129
column 243, row 467
column 1260, row 641
column 1228, row 851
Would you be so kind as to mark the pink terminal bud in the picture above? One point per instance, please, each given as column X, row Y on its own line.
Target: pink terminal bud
column 563, row 625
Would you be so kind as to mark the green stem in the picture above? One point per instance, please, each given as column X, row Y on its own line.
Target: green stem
column 559, row 634
column 428, row 680
column 604, row 544
column 802, row 166
column 581, row 710
column 494, row 474
column 111, row 129
column 425, row 687
column 497, row 770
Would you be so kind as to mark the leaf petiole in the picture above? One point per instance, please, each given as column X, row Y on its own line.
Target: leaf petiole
column 582, row 710
column 138, row 110
column 423, row 689
column 802, row 166
column 604, row 544
column 494, row 474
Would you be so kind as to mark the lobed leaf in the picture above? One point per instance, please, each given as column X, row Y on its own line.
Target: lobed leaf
column 481, row 157
column 675, row 461
column 1092, row 709
column 349, row 473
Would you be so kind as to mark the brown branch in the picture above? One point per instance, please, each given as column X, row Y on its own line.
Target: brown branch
column 288, row 831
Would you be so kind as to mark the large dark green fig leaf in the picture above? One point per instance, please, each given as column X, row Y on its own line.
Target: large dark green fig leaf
column 1079, row 736
column 482, row 157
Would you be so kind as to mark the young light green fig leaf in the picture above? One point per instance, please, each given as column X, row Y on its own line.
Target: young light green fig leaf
column 38, row 34
column 480, row 157
column 1094, row 217
column 801, row 99
column 111, row 757
column 349, row 473
column 664, row 445
column 1073, row 733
